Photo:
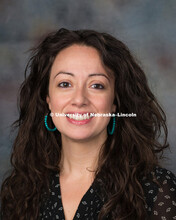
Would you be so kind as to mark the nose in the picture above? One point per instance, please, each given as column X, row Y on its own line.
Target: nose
column 80, row 97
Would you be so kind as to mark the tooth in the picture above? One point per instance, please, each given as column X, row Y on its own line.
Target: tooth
column 79, row 117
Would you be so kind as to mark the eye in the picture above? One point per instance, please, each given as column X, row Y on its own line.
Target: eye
column 97, row 86
column 64, row 84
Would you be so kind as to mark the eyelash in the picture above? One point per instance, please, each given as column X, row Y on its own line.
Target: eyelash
column 99, row 85
column 63, row 84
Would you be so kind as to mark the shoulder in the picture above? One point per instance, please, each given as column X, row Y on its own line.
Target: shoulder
column 161, row 177
column 161, row 190
column 165, row 175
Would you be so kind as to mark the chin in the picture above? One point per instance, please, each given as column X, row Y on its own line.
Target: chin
column 78, row 137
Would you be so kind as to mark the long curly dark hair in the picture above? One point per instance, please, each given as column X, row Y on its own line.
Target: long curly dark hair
column 126, row 156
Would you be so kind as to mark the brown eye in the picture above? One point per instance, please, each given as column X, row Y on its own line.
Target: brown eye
column 97, row 86
column 64, row 84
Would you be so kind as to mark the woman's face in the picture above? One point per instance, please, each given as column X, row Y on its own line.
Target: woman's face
column 80, row 84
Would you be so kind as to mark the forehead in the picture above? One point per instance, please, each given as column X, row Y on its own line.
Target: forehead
column 79, row 49
column 79, row 58
column 78, row 54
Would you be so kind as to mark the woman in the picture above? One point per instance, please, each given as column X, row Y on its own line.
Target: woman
column 70, row 164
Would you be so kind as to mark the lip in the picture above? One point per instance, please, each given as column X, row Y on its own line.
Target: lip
column 79, row 113
column 81, row 122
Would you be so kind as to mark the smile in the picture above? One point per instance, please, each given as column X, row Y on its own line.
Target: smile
column 79, row 117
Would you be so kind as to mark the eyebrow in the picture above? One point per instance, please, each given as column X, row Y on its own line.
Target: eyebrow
column 90, row 75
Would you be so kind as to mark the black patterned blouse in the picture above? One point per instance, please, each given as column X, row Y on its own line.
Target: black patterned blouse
column 161, row 201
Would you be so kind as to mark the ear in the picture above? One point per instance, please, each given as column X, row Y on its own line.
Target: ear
column 48, row 101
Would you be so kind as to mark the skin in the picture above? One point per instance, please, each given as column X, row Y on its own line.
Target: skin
column 79, row 93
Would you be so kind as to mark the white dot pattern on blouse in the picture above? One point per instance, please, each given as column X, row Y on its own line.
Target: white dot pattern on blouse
column 160, row 200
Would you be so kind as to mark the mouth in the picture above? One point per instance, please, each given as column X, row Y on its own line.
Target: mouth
column 79, row 116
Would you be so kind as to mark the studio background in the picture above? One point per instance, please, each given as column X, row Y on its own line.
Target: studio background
column 147, row 27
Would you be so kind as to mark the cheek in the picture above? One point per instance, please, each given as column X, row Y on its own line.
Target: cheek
column 104, row 103
column 57, row 103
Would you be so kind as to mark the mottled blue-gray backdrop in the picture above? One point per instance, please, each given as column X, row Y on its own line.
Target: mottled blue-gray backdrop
column 148, row 28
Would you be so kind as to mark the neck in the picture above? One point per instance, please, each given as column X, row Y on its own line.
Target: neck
column 80, row 157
